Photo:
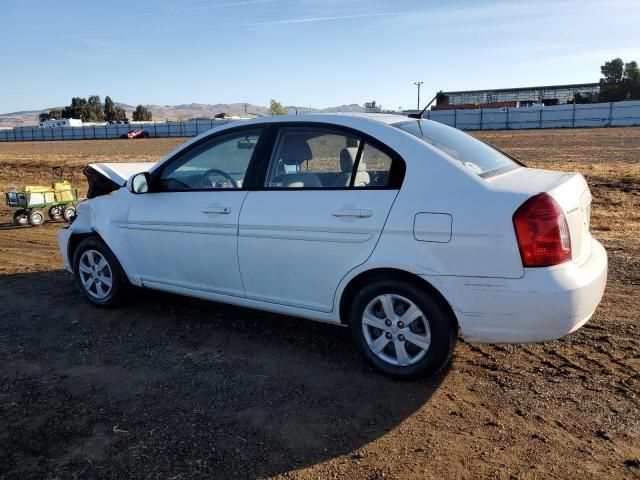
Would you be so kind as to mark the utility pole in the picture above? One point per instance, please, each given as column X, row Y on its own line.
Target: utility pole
column 418, row 84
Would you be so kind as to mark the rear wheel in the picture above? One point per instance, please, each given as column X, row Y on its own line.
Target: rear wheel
column 55, row 213
column 98, row 273
column 21, row 217
column 36, row 218
column 402, row 329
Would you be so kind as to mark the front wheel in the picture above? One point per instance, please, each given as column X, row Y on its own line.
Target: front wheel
column 98, row 273
column 401, row 328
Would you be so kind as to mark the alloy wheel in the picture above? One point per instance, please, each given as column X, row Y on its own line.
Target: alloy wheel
column 396, row 330
column 95, row 274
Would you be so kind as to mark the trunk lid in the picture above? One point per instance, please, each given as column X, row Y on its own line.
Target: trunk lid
column 569, row 190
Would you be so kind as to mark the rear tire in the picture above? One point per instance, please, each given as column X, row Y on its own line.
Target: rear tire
column 36, row 218
column 98, row 273
column 21, row 217
column 414, row 345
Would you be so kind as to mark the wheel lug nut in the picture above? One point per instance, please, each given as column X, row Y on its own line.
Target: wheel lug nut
column 388, row 335
column 401, row 337
column 387, row 323
column 400, row 324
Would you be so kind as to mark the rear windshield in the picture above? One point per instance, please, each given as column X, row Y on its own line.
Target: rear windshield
column 474, row 154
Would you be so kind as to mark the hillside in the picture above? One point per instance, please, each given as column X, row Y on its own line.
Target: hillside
column 179, row 112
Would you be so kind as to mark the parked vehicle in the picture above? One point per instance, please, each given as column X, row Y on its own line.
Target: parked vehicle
column 135, row 133
column 59, row 199
column 408, row 231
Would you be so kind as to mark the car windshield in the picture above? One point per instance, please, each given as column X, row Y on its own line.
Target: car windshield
column 474, row 154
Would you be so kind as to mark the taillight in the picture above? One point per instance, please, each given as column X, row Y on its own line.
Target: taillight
column 542, row 232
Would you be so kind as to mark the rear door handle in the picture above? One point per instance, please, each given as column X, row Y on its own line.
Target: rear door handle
column 352, row 212
column 217, row 209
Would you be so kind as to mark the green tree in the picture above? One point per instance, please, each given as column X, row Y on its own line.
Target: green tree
column 109, row 113
column 142, row 114
column 77, row 109
column 53, row 114
column 619, row 81
column 612, row 71
column 277, row 108
column 632, row 79
column 119, row 115
column 94, row 110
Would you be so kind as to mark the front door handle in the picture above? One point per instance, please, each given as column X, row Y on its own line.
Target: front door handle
column 352, row 212
column 217, row 209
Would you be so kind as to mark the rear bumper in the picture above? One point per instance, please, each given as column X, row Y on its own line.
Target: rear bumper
column 545, row 304
column 64, row 234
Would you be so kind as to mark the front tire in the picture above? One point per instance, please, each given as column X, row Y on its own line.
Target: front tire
column 98, row 273
column 402, row 329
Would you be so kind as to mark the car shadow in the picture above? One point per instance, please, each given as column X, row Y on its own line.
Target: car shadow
column 168, row 386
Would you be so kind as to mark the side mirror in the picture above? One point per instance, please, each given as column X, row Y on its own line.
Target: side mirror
column 139, row 183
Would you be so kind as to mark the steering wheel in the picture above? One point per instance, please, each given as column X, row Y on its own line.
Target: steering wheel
column 208, row 181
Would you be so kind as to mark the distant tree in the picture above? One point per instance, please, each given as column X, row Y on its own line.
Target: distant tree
column 109, row 113
column 142, row 114
column 119, row 115
column 612, row 71
column 53, row 114
column 613, row 87
column 77, row 109
column 632, row 79
column 277, row 108
column 95, row 110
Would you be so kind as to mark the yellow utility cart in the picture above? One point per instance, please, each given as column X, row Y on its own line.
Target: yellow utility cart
column 59, row 199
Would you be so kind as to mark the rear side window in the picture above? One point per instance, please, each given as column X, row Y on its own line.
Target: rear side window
column 477, row 156
column 373, row 169
column 312, row 158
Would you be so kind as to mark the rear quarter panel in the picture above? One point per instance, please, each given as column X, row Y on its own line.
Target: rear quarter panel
column 482, row 241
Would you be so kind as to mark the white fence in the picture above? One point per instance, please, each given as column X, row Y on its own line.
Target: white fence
column 617, row 114
column 90, row 132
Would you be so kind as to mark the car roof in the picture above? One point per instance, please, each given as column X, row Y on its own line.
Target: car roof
column 385, row 118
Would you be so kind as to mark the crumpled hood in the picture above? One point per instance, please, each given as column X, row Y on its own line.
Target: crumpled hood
column 105, row 178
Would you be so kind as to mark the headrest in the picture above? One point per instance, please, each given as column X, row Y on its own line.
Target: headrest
column 348, row 159
column 295, row 150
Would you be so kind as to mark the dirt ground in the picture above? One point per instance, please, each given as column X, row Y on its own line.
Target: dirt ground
column 171, row 387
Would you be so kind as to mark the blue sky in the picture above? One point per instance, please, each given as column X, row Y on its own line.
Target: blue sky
column 309, row 53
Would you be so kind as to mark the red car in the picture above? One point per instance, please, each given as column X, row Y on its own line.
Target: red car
column 137, row 133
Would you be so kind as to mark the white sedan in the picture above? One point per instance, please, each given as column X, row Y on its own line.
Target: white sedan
column 405, row 230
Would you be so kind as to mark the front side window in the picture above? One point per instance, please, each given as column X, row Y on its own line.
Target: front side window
column 475, row 155
column 219, row 164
